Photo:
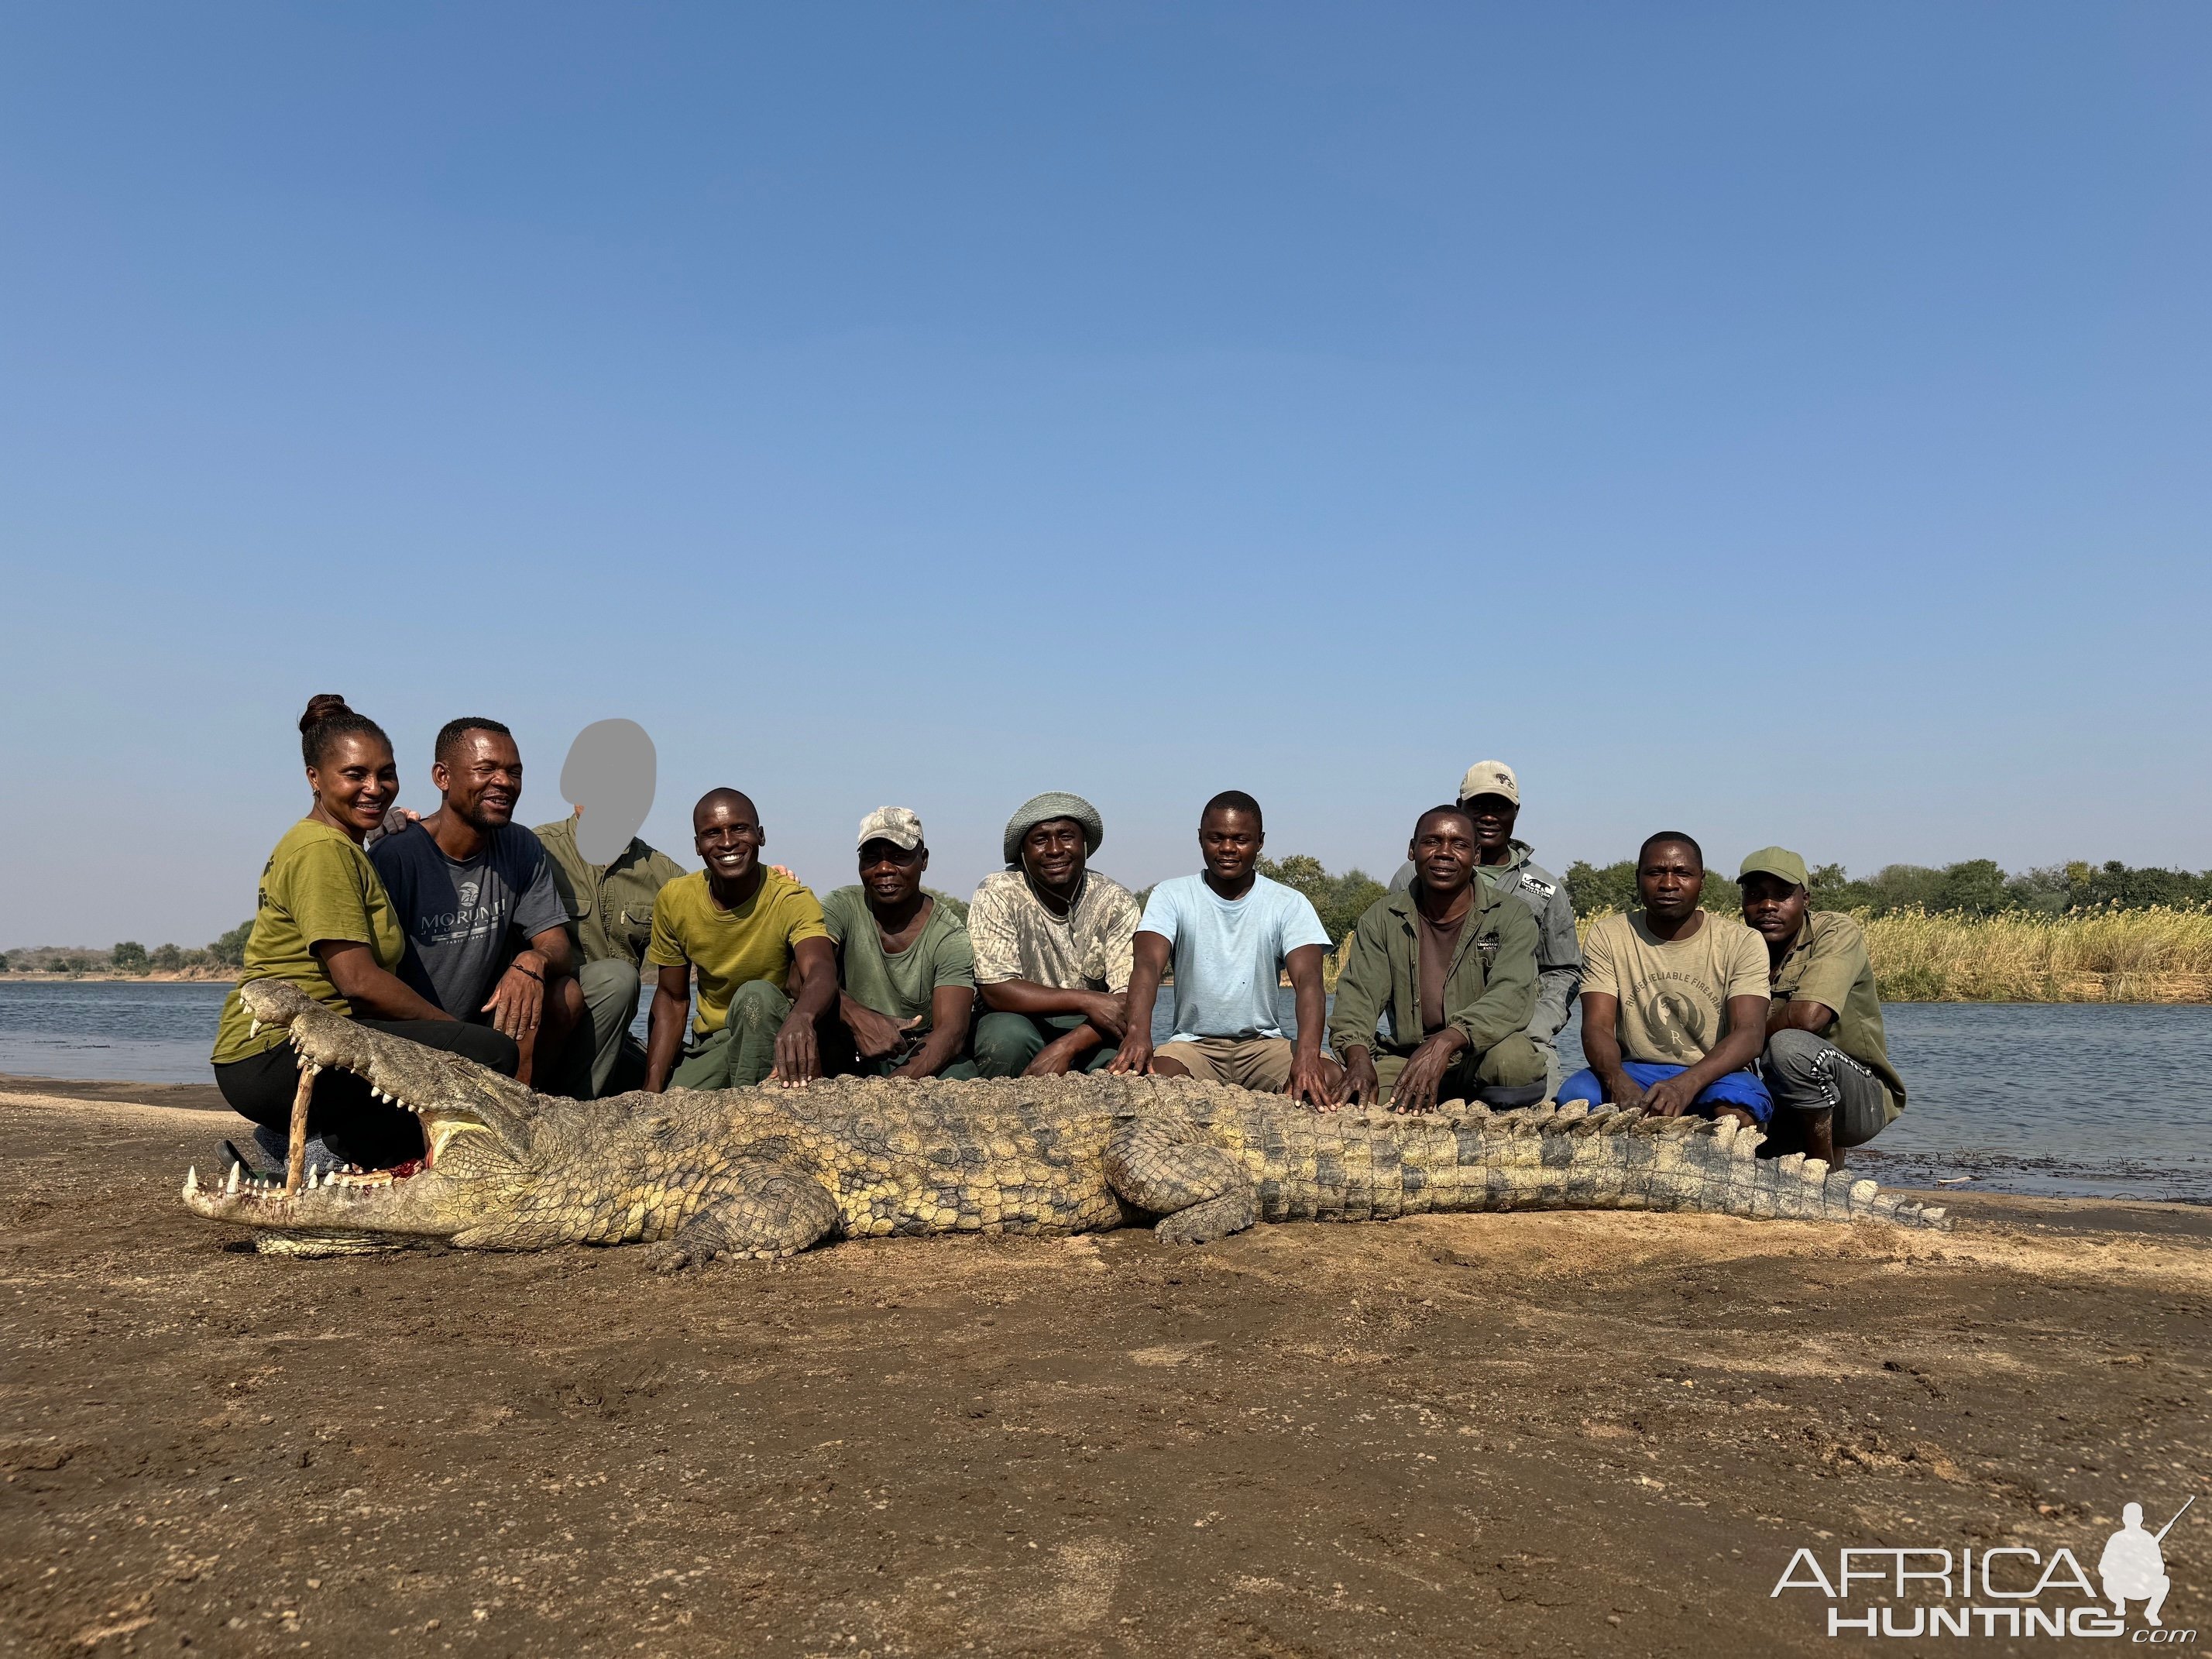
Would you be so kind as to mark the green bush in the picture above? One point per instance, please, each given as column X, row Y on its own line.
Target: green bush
column 1338, row 900
column 230, row 949
column 128, row 957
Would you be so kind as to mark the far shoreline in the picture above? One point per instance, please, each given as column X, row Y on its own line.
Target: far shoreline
column 2179, row 991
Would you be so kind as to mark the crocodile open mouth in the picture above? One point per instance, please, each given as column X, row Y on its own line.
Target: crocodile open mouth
column 239, row 1195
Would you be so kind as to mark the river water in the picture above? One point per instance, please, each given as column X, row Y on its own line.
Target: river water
column 2087, row 1099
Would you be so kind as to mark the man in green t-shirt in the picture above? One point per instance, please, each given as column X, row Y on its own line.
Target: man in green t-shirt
column 767, row 971
column 1826, row 1060
column 907, row 969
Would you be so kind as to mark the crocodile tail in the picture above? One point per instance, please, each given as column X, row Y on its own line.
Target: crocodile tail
column 1376, row 1165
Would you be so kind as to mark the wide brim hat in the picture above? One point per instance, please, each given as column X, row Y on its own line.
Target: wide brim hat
column 1042, row 809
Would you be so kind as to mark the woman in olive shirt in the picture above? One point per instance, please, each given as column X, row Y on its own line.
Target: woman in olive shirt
column 324, row 922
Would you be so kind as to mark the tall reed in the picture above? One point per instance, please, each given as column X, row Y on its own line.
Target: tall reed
column 2156, row 955
column 2153, row 955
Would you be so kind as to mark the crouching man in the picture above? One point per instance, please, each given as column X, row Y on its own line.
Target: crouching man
column 1673, row 999
column 1827, row 1062
column 905, row 969
column 767, row 970
column 1230, row 935
column 1454, row 961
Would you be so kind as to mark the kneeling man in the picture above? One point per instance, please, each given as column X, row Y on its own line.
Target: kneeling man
column 905, row 968
column 1230, row 934
column 1453, row 960
column 767, row 972
column 1052, row 940
column 1673, row 999
column 1826, row 1060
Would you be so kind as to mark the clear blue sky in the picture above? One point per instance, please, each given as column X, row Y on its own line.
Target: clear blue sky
column 1785, row 424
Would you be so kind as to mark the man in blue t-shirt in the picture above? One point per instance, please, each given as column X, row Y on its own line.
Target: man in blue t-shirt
column 1231, row 933
column 487, row 933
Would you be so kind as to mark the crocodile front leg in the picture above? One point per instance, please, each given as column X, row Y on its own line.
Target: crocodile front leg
column 762, row 1209
column 1199, row 1191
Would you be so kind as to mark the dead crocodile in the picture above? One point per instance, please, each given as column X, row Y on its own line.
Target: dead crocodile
column 768, row 1171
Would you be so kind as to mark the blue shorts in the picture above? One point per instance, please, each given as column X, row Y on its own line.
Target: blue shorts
column 1742, row 1089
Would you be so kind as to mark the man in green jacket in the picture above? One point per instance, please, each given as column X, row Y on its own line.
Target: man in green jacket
column 1454, row 961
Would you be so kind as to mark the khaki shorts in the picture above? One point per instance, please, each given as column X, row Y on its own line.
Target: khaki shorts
column 1259, row 1063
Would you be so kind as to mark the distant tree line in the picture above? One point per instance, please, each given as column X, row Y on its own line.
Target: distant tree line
column 1973, row 887
column 129, row 957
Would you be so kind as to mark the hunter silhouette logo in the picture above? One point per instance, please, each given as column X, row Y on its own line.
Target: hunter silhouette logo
column 468, row 894
column 2133, row 1568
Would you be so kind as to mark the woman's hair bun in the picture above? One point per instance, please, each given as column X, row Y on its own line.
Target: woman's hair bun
column 321, row 707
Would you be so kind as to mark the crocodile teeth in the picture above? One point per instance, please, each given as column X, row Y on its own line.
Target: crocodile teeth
column 192, row 1180
column 253, row 1029
column 231, row 1185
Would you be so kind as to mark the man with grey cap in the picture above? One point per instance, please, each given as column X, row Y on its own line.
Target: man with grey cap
column 1490, row 796
column 1826, row 1060
column 1054, row 943
column 906, row 973
column 609, row 879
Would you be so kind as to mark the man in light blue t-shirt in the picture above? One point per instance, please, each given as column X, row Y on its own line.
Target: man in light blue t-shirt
column 1231, row 933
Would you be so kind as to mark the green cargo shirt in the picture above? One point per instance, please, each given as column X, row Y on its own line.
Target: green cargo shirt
column 1490, row 989
column 1827, row 963
column 610, row 905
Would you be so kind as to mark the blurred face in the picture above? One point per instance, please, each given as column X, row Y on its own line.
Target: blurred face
column 1773, row 908
column 1492, row 817
column 482, row 779
column 1443, row 852
column 1670, row 879
column 1052, row 854
column 355, row 783
column 1230, row 842
column 892, row 874
column 727, row 833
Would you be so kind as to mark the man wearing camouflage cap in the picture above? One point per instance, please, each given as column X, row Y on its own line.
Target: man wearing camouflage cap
column 1826, row 1060
column 906, row 974
column 1490, row 796
column 1053, row 944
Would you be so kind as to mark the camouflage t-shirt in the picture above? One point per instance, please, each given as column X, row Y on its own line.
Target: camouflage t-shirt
column 1089, row 948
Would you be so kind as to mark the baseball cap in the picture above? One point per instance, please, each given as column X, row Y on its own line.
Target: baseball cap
column 895, row 824
column 1777, row 861
column 1490, row 778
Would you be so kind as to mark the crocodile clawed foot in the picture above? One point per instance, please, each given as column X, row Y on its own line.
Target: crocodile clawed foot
column 1202, row 1223
column 672, row 1259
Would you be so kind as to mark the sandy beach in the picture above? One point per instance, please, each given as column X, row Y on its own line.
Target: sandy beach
column 1531, row 1433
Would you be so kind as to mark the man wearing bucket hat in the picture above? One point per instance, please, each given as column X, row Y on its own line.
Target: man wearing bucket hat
column 1052, row 940
column 905, row 971
column 1826, row 1060
column 1491, row 796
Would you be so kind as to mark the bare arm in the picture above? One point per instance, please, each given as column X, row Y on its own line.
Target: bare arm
column 874, row 1035
column 1602, row 1048
column 352, row 967
column 664, row 1031
column 797, row 1052
column 951, row 1008
column 1814, row 1016
column 1313, row 1079
column 1672, row 1097
column 517, row 1003
column 1107, row 1011
column 1152, row 953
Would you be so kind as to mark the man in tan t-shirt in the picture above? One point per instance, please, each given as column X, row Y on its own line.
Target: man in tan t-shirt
column 1673, row 999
